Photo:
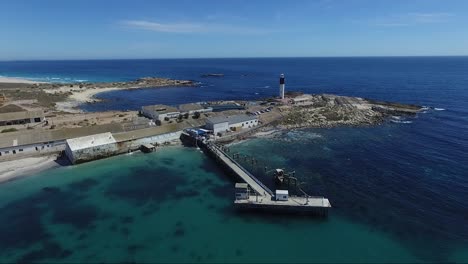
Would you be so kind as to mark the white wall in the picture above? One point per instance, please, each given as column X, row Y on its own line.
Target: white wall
column 218, row 127
column 246, row 124
column 112, row 149
column 92, row 153
column 32, row 150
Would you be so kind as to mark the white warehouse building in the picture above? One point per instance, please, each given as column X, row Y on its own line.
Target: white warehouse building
column 220, row 124
column 90, row 147
column 159, row 112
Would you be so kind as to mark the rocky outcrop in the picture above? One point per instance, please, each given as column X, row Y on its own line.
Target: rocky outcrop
column 331, row 110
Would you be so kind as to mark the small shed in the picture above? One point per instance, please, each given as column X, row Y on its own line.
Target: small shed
column 242, row 191
column 281, row 195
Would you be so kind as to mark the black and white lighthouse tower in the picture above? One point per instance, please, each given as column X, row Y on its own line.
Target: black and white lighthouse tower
column 281, row 87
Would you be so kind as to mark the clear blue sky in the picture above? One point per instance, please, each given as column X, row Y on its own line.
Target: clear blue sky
column 94, row 29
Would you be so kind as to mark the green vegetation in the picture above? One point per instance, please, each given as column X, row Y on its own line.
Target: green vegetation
column 9, row 130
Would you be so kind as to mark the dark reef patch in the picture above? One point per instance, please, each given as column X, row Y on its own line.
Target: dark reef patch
column 126, row 219
column 51, row 189
column 175, row 248
column 27, row 229
column 24, row 228
column 133, row 248
column 49, row 250
column 167, row 161
column 179, row 232
column 80, row 216
column 186, row 193
column 83, row 185
column 222, row 191
column 144, row 185
column 125, row 231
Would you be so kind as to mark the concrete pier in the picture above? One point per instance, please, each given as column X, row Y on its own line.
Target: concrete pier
column 262, row 198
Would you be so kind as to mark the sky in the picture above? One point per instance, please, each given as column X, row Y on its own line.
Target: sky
column 92, row 29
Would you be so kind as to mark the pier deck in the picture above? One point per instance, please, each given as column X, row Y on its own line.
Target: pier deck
column 264, row 198
column 253, row 182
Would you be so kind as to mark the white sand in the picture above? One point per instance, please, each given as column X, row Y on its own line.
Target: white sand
column 87, row 95
column 25, row 166
column 80, row 96
column 16, row 80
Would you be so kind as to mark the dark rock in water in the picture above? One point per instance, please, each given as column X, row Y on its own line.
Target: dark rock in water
column 179, row 232
column 212, row 75
column 239, row 252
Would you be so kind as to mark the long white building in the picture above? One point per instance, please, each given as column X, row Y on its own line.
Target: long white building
column 221, row 124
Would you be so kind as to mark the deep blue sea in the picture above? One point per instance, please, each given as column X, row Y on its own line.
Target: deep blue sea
column 399, row 190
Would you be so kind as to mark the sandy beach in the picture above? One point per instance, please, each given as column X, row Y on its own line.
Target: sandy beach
column 16, row 80
column 26, row 166
column 78, row 97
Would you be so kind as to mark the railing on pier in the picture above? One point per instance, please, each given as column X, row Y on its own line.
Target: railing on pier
column 211, row 145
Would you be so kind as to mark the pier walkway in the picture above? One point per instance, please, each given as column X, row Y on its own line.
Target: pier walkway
column 251, row 180
column 264, row 198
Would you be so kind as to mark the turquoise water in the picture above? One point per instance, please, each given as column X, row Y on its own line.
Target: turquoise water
column 170, row 206
column 399, row 191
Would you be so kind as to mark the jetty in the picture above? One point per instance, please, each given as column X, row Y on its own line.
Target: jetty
column 253, row 194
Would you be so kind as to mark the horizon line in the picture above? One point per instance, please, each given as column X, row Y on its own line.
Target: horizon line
column 215, row 58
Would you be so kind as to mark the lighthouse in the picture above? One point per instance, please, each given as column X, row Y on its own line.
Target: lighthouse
column 281, row 87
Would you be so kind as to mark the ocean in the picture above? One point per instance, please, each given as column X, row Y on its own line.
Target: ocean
column 399, row 190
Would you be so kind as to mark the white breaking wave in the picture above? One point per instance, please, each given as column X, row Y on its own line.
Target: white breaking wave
column 401, row 121
column 439, row 109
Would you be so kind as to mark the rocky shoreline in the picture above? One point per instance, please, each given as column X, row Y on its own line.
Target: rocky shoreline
column 325, row 111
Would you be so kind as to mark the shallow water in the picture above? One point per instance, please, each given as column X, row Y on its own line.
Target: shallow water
column 173, row 205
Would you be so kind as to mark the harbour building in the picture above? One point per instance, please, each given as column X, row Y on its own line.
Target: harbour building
column 20, row 118
column 221, row 124
column 159, row 112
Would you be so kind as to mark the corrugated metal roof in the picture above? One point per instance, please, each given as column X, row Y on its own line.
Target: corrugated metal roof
column 158, row 130
column 21, row 115
column 231, row 119
column 90, row 141
column 29, row 137
column 282, row 192
column 161, row 109
column 242, row 185
column 190, row 107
